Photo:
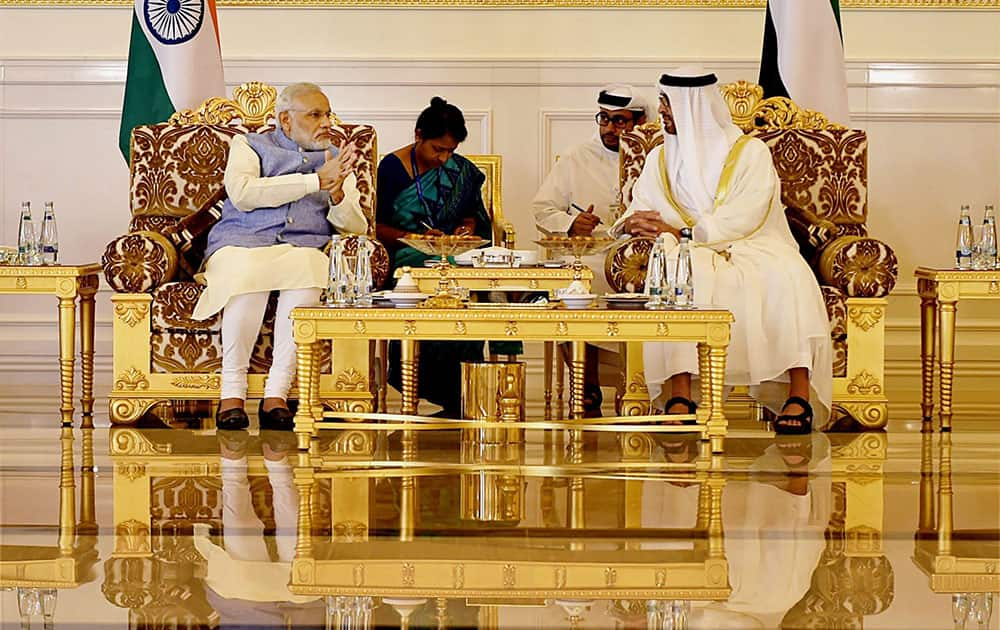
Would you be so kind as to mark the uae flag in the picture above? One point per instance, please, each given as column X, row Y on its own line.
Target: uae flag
column 174, row 62
column 803, row 56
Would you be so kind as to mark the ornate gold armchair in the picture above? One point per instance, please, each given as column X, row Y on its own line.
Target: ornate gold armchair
column 824, row 185
column 492, row 167
column 176, row 193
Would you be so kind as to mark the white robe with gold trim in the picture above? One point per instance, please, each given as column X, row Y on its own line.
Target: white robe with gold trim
column 745, row 260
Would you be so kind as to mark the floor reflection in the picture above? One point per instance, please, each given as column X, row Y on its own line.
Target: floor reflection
column 445, row 529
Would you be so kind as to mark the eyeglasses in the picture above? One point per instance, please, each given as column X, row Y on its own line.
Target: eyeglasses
column 619, row 121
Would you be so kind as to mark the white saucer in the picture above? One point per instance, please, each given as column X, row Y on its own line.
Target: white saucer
column 577, row 302
column 406, row 300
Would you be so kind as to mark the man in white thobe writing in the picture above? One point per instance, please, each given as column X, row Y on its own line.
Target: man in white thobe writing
column 289, row 189
column 710, row 177
column 580, row 197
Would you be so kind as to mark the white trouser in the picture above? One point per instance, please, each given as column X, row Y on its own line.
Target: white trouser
column 242, row 529
column 241, row 321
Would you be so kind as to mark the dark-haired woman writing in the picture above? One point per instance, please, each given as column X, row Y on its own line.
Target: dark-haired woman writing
column 427, row 188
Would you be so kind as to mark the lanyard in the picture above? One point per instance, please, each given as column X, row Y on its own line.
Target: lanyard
column 420, row 189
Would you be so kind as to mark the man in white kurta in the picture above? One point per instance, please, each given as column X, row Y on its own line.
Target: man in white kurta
column 580, row 195
column 289, row 189
column 710, row 177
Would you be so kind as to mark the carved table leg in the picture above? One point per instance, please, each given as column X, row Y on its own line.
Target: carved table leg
column 928, row 327
column 408, row 367
column 87, row 358
column 67, row 341
column 705, row 376
column 549, row 348
column 576, row 377
column 716, row 419
column 304, row 421
column 946, row 314
column 383, row 381
column 560, row 380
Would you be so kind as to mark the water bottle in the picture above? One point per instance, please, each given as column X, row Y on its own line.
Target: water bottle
column 336, row 289
column 50, row 235
column 655, row 271
column 963, row 241
column 989, row 244
column 684, row 278
column 27, row 243
column 363, row 273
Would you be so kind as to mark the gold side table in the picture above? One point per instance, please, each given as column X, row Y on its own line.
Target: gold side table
column 499, row 279
column 66, row 282
column 940, row 290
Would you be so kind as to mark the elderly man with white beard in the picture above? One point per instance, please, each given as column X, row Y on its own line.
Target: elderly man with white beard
column 721, row 184
column 289, row 189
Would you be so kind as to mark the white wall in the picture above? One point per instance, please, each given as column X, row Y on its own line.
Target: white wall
column 925, row 84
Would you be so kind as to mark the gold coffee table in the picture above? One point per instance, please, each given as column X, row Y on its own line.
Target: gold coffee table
column 708, row 327
column 940, row 290
column 66, row 282
column 533, row 278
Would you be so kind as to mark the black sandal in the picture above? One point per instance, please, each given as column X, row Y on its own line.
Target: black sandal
column 680, row 400
column 798, row 424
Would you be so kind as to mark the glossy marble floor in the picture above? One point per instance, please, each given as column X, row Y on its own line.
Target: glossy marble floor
column 179, row 527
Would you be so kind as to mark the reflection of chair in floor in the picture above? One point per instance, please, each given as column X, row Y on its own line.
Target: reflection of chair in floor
column 165, row 483
column 39, row 571
column 963, row 562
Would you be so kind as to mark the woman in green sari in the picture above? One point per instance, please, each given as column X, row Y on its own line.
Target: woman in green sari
column 427, row 188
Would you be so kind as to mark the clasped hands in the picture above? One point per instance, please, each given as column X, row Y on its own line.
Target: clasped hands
column 648, row 223
column 336, row 169
column 465, row 228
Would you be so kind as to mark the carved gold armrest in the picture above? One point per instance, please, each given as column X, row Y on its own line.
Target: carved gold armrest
column 139, row 262
column 860, row 266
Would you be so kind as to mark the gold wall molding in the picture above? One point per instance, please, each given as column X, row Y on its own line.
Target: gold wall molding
column 529, row 4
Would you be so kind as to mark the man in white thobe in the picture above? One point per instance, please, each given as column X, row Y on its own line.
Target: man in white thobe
column 580, row 197
column 709, row 177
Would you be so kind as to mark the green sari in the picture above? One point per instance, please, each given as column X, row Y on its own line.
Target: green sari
column 442, row 198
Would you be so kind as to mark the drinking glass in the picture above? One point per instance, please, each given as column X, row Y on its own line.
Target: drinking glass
column 979, row 256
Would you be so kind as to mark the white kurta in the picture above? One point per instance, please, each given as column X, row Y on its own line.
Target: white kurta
column 587, row 174
column 781, row 321
column 240, row 270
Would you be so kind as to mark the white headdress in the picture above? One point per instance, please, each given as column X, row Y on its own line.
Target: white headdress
column 705, row 135
column 621, row 96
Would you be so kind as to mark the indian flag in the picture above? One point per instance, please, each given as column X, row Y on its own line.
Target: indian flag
column 174, row 62
column 803, row 57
